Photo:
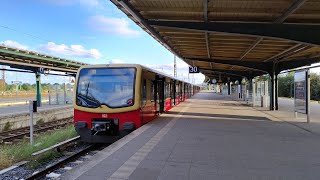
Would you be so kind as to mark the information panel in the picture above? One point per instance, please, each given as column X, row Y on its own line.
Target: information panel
column 300, row 91
column 194, row 69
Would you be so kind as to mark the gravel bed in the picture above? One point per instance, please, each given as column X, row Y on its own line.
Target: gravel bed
column 23, row 172
column 17, row 173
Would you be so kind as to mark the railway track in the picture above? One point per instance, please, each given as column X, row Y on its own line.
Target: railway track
column 49, row 170
column 17, row 135
column 74, row 153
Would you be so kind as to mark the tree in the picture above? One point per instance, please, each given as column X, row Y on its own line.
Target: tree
column 10, row 87
column 315, row 86
column 286, row 85
column 26, row 87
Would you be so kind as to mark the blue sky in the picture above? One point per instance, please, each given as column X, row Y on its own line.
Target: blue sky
column 91, row 31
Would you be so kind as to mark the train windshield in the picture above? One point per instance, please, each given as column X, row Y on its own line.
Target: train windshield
column 113, row 87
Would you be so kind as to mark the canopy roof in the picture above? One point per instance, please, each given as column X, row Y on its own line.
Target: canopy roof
column 236, row 38
column 28, row 60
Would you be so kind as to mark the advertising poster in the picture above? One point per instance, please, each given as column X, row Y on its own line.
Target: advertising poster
column 300, row 91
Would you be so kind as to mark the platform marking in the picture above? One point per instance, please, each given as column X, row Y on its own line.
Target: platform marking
column 108, row 151
column 53, row 175
column 132, row 163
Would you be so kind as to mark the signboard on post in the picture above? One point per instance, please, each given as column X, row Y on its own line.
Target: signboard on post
column 301, row 92
column 43, row 70
column 16, row 82
column 194, row 69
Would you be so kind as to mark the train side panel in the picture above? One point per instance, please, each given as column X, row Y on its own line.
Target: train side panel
column 154, row 94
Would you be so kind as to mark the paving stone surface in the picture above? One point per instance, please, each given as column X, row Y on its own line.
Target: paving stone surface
column 211, row 137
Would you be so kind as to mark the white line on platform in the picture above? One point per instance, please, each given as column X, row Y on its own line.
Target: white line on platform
column 108, row 151
column 132, row 163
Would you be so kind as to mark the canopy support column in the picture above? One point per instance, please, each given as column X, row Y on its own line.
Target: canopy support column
column 276, row 92
column 38, row 85
column 274, row 88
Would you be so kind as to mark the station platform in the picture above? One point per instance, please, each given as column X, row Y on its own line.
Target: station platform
column 24, row 109
column 209, row 136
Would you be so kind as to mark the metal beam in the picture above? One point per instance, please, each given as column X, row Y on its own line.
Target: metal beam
column 293, row 7
column 205, row 16
column 205, row 10
column 283, row 52
column 247, row 74
column 258, row 40
column 16, row 70
column 285, row 65
column 33, row 67
column 257, row 66
column 207, row 44
column 307, row 34
column 11, row 52
column 223, row 78
column 222, row 74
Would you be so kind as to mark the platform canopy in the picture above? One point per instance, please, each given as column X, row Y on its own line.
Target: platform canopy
column 32, row 61
column 233, row 38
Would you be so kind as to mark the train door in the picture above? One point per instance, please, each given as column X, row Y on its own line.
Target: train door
column 161, row 94
column 173, row 88
column 170, row 93
column 156, row 94
column 184, row 91
column 181, row 92
column 143, row 100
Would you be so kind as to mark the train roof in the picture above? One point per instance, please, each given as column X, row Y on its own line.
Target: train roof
column 135, row 65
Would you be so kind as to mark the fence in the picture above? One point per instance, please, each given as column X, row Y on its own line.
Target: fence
column 60, row 94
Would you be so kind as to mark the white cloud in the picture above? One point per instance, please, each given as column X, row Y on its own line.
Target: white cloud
column 14, row 44
column 73, row 50
column 117, row 26
column 84, row 3
column 89, row 3
column 116, row 61
column 61, row 2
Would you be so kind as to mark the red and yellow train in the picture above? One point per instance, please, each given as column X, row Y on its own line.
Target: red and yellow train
column 112, row 100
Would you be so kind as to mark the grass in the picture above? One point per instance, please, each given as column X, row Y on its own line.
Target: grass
column 10, row 154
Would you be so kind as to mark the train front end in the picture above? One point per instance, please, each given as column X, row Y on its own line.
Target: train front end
column 106, row 102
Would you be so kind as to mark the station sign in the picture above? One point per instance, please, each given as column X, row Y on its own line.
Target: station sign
column 194, row 69
column 300, row 91
column 16, row 82
column 42, row 70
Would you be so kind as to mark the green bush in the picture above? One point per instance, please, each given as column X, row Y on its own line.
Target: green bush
column 286, row 85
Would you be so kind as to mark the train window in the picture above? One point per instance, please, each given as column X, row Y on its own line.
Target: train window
column 151, row 90
column 172, row 89
column 112, row 87
column 167, row 90
column 177, row 90
column 144, row 89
